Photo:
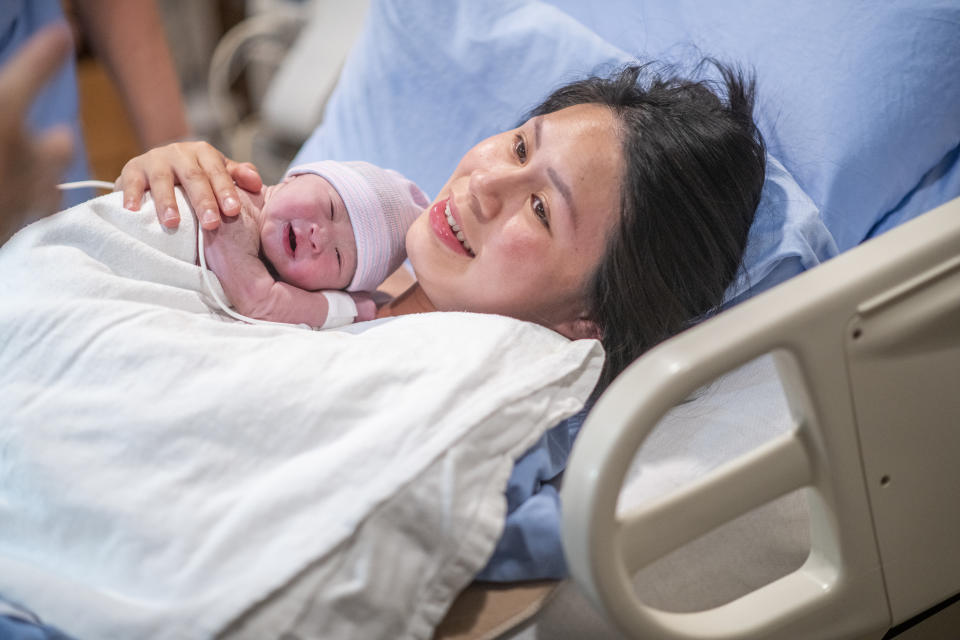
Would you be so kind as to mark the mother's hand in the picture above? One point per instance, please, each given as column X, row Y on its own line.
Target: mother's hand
column 206, row 175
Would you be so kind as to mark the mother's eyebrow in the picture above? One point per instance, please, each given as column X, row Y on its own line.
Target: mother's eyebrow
column 565, row 192
column 558, row 182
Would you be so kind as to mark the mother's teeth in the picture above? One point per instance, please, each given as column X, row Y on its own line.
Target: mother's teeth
column 456, row 228
column 450, row 221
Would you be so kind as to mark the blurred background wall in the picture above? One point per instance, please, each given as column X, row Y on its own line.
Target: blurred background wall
column 229, row 54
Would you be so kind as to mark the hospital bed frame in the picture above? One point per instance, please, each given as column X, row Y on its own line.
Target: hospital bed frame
column 868, row 350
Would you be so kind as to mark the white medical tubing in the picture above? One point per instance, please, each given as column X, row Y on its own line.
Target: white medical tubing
column 86, row 184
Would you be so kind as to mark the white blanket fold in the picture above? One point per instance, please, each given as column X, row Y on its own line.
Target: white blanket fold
column 162, row 470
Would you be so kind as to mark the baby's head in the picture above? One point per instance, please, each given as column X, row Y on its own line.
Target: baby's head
column 338, row 225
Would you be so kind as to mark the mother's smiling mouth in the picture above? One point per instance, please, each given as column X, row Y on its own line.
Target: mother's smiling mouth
column 455, row 228
column 440, row 217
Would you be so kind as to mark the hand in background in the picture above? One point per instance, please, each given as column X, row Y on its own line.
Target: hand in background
column 206, row 175
column 30, row 164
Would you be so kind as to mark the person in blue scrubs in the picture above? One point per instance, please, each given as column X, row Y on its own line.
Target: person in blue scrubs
column 128, row 36
column 31, row 163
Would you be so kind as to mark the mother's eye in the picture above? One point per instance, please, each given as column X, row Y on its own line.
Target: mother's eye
column 520, row 149
column 540, row 211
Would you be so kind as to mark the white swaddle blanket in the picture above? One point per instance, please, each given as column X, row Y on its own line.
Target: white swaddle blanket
column 162, row 470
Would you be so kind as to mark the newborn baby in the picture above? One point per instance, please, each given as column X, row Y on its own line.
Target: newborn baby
column 329, row 226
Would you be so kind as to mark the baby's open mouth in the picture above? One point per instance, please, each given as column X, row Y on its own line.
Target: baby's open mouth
column 293, row 239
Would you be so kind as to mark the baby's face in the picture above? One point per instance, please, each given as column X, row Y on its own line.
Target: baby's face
column 306, row 234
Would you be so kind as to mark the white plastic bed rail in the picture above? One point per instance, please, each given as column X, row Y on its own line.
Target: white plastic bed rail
column 844, row 337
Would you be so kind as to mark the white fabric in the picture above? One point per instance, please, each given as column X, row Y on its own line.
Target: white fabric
column 162, row 470
column 341, row 309
column 735, row 414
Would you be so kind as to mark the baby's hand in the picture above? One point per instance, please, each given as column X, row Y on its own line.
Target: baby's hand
column 366, row 307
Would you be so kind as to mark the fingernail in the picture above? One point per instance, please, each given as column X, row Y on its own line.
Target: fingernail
column 230, row 203
column 130, row 204
column 209, row 216
column 169, row 215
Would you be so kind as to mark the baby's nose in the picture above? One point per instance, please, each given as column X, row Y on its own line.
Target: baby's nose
column 318, row 238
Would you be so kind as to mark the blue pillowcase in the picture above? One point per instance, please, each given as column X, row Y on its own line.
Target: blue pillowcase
column 859, row 99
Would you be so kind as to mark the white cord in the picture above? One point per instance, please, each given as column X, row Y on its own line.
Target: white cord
column 86, row 184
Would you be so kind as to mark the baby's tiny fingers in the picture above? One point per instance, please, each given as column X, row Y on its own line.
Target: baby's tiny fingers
column 366, row 307
column 245, row 175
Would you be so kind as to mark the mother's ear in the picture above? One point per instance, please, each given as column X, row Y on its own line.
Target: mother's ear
column 579, row 328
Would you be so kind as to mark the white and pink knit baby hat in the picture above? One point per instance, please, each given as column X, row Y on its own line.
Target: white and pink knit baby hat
column 382, row 205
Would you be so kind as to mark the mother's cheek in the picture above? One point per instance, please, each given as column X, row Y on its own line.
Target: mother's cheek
column 518, row 243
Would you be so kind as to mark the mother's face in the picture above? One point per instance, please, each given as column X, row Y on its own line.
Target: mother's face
column 521, row 225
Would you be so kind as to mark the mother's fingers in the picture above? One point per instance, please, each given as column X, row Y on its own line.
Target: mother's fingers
column 28, row 71
column 203, row 172
column 196, row 185
column 133, row 183
column 214, row 166
column 161, row 182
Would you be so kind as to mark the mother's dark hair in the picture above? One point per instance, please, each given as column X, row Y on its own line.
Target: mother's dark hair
column 694, row 164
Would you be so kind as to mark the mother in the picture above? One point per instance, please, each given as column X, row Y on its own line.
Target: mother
column 618, row 210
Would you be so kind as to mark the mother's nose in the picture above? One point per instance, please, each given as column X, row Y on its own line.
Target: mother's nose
column 492, row 188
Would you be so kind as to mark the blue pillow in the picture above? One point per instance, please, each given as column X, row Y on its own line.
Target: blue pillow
column 428, row 80
column 859, row 98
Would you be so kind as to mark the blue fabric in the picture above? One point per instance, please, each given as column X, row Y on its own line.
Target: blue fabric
column 428, row 80
column 942, row 183
column 787, row 237
column 530, row 546
column 859, row 98
column 57, row 102
column 17, row 623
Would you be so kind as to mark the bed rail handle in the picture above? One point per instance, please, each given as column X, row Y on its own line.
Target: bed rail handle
column 652, row 531
column 807, row 323
column 604, row 548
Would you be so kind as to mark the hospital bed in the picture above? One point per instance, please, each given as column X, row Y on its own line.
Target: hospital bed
column 868, row 346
